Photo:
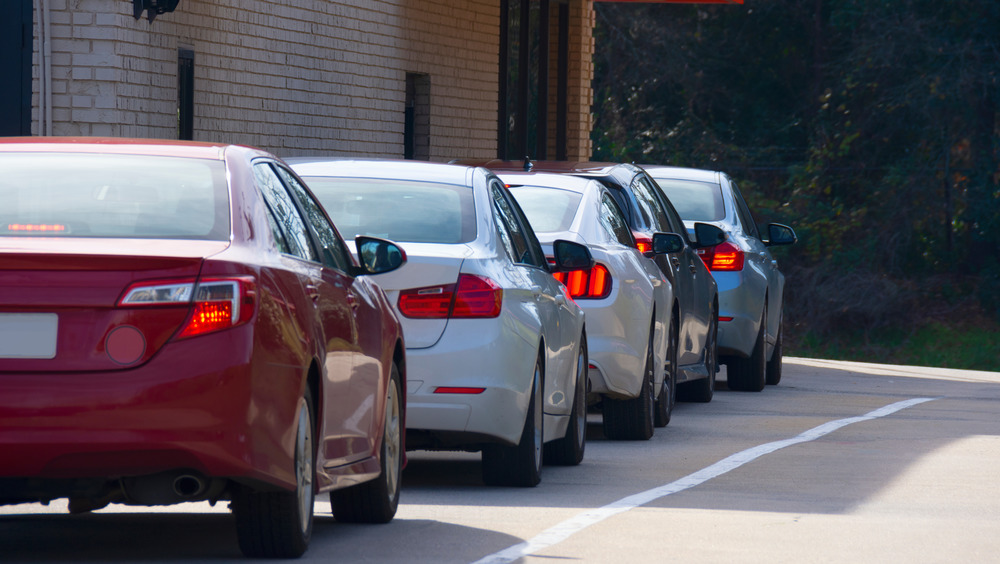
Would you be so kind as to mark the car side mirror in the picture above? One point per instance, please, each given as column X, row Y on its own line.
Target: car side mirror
column 378, row 256
column 778, row 234
column 708, row 235
column 666, row 243
column 570, row 256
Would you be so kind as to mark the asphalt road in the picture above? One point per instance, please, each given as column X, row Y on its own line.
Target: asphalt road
column 842, row 462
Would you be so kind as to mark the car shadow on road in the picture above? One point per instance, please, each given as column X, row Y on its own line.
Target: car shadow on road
column 149, row 537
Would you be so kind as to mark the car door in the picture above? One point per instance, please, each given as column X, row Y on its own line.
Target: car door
column 641, row 278
column 760, row 260
column 698, row 285
column 691, row 331
column 347, row 395
column 554, row 310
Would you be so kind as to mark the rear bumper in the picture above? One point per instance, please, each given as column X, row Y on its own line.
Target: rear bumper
column 485, row 356
column 738, row 335
column 189, row 408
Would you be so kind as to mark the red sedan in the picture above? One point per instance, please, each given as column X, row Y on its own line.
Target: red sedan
column 181, row 322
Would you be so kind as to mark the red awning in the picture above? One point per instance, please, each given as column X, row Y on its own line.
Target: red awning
column 678, row 1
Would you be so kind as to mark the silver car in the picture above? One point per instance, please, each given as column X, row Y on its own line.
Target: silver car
column 750, row 284
column 495, row 349
column 628, row 301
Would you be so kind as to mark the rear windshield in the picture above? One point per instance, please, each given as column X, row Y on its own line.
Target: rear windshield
column 400, row 210
column 127, row 196
column 548, row 210
column 693, row 200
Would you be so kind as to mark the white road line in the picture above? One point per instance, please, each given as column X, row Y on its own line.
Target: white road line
column 571, row 526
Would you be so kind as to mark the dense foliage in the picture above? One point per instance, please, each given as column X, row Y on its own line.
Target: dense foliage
column 871, row 126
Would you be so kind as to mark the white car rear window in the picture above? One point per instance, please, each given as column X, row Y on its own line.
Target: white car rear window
column 548, row 210
column 400, row 210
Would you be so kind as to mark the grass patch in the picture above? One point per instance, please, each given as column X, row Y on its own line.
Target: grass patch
column 964, row 346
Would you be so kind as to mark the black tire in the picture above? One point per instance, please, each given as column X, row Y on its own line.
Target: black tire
column 568, row 451
column 703, row 389
column 376, row 501
column 774, row 365
column 749, row 374
column 632, row 419
column 668, row 389
column 520, row 465
column 279, row 524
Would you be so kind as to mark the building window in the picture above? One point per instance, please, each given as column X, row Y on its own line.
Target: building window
column 185, row 93
column 417, row 123
column 15, row 69
column 528, row 125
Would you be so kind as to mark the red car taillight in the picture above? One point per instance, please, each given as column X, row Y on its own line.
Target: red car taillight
column 724, row 256
column 216, row 303
column 587, row 284
column 472, row 297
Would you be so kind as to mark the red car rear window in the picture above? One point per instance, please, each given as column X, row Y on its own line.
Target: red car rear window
column 127, row 196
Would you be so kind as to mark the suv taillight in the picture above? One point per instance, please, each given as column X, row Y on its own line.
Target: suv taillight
column 471, row 297
column 643, row 242
column 724, row 256
column 217, row 304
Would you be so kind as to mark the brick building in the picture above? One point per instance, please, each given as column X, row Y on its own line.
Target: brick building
column 425, row 79
column 388, row 78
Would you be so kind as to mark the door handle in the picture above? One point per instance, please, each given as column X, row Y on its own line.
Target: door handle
column 313, row 291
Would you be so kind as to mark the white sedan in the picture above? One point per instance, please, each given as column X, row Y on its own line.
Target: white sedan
column 632, row 333
column 496, row 350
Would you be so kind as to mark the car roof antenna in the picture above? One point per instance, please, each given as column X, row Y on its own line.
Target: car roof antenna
column 527, row 164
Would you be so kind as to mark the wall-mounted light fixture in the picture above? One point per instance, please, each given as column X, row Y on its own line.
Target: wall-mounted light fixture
column 152, row 8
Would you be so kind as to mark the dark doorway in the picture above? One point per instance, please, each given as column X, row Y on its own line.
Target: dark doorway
column 533, row 63
column 417, row 122
column 15, row 67
column 185, row 94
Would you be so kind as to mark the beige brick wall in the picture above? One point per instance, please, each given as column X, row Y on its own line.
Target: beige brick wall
column 580, row 95
column 293, row 77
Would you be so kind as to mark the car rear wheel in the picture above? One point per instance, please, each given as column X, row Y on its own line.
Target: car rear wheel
column 702, row 389
column 519, row 465
column 749, row 374
column 279, row 524
column 632, row 419
column 774, row 365
column 665, row 401
column 568, row 451
column 376, row 501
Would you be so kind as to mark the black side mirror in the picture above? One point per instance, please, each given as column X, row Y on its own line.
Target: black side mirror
column 708, row 235
column 571, row 256
column 778, row 234
column 666, row 243
column 378, row 256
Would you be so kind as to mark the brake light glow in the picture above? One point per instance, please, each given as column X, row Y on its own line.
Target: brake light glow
column 36, row 227
column 724, row 256
column 471, row 297
column 643, row 242
column 591, row 284
column 216, row 303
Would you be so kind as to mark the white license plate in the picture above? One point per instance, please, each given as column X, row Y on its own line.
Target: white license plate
column 28, row 335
